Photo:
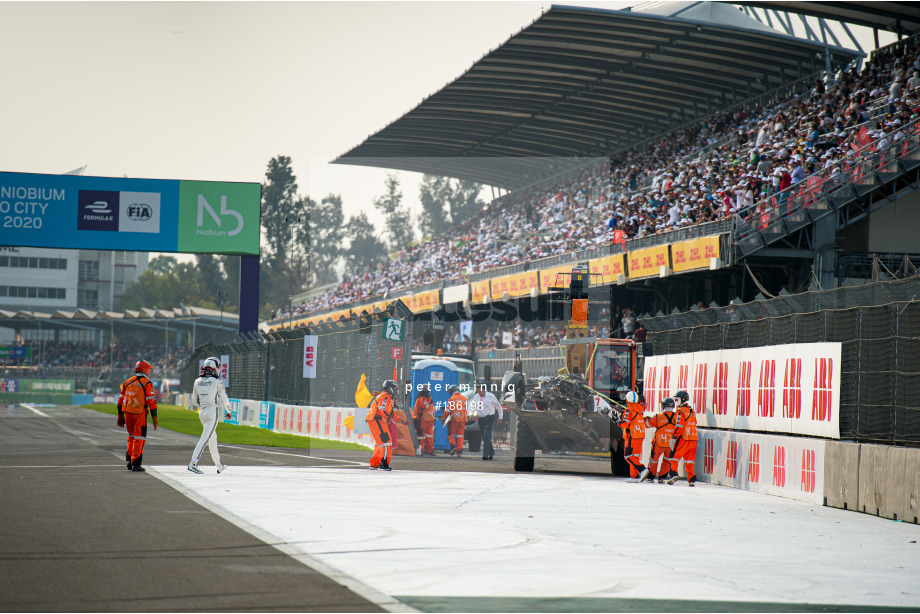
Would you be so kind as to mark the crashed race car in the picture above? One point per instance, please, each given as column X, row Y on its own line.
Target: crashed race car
column 561, row 414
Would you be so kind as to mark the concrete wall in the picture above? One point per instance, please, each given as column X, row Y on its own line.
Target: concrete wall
column 875, row 479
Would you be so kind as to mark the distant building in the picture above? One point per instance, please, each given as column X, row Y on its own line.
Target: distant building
column 43, row 279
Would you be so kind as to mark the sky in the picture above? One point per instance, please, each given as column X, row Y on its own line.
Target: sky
column 214, row 90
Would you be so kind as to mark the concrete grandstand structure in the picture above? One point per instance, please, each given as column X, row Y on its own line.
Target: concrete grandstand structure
column 581, row 89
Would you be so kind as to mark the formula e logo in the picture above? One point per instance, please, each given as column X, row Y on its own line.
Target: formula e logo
column 97, row 210
column 140, row 212
column 100, row 206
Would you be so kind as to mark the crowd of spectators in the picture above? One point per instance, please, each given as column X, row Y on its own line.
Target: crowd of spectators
column 700, row 174
column 538, row 334
column 120, row 356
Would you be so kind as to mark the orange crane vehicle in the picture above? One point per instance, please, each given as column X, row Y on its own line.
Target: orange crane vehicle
column 577, row 411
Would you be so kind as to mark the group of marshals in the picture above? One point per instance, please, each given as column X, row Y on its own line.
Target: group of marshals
column 675, row 439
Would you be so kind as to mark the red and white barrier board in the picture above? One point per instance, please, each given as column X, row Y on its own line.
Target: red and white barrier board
column 323, row 422
column 791, row 388
column 791, row 467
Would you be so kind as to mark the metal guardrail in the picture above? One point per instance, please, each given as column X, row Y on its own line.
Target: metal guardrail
column 824, row 192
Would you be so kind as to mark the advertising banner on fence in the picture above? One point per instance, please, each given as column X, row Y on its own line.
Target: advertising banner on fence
column 225, row 370
column 310, row 344
column 151, row 215
column 791, row 388
column 422, row 301
column 9, row 385
column 647, row 262
column 480, row 291
column 16, row 351
column 695, row 254
column 555, row 277
column 515, row 285
column 608, row 267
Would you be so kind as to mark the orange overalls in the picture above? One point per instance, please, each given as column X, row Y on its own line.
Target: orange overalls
column 378, row 420
column 661, row 448
column 424, row 413
column 633, row 425
column 456, row 407
column 135, row 399
column 686, row 437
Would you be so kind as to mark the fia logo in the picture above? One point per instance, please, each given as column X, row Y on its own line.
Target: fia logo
column 140, row 212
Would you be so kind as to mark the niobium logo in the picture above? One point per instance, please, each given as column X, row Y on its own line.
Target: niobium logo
column 140, row 212
column 97, row 210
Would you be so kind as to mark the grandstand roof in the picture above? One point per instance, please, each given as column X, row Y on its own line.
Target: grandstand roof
column 185, row 318
column 882, row 15
column 581, row 83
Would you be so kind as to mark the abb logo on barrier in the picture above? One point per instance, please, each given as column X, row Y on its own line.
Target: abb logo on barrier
column 650, row 387
column 731, row 463
column 663, row 384
column 699, row 388
column 823, row 394
column 300, row 421
column 743, row 404
column 766, row 393
column 809, row 475
column 792, row 389
column 683, row 374
column 779, row 466
column 754, row 463
column 708, row 456
column 720, row 389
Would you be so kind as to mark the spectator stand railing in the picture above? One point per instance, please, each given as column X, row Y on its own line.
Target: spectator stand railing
column 878, row 325
column 829, row 190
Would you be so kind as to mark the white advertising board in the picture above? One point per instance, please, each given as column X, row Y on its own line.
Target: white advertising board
column 791, row 467
column 310, row 355
column 791, row 388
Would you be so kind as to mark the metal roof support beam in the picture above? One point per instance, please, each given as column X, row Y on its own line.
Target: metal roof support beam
column 825, row 28
column 787, row 26
column 808, row 31
column 852, row 38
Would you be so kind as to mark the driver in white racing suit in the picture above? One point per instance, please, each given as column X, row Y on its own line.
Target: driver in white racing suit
column 210, row 397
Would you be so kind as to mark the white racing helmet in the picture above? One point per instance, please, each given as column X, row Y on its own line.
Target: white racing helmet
column 211, row 366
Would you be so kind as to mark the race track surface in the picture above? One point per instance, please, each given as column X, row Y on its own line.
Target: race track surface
column 295, row 530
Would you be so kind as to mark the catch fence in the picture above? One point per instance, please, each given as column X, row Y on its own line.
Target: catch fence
column 878, row 325
column 270, row 366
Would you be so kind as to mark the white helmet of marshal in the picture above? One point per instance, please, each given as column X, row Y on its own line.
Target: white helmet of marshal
column 632, row 396
column 211, row 366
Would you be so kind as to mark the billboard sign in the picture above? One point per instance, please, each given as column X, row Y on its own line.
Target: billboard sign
column 76, row 212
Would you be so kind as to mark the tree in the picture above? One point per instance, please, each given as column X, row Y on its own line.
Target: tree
column 283, row 266
column 398, row 222
column 325, row 227
column 364, row 246
column 464, row 200
column 167, row 284
column 434, row 193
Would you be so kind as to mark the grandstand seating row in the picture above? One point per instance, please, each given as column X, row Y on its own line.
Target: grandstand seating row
column 731, row 179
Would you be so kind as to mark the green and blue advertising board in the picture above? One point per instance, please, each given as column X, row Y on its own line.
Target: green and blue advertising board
column 156, row 215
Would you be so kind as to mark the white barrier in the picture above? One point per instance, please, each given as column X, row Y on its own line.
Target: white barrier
column 791, row 388
column 791, row 467
column 323, row 422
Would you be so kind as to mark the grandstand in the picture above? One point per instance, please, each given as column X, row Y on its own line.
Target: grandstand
column 666, row 152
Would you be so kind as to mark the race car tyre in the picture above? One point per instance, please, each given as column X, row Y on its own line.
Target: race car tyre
column 524, row 446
